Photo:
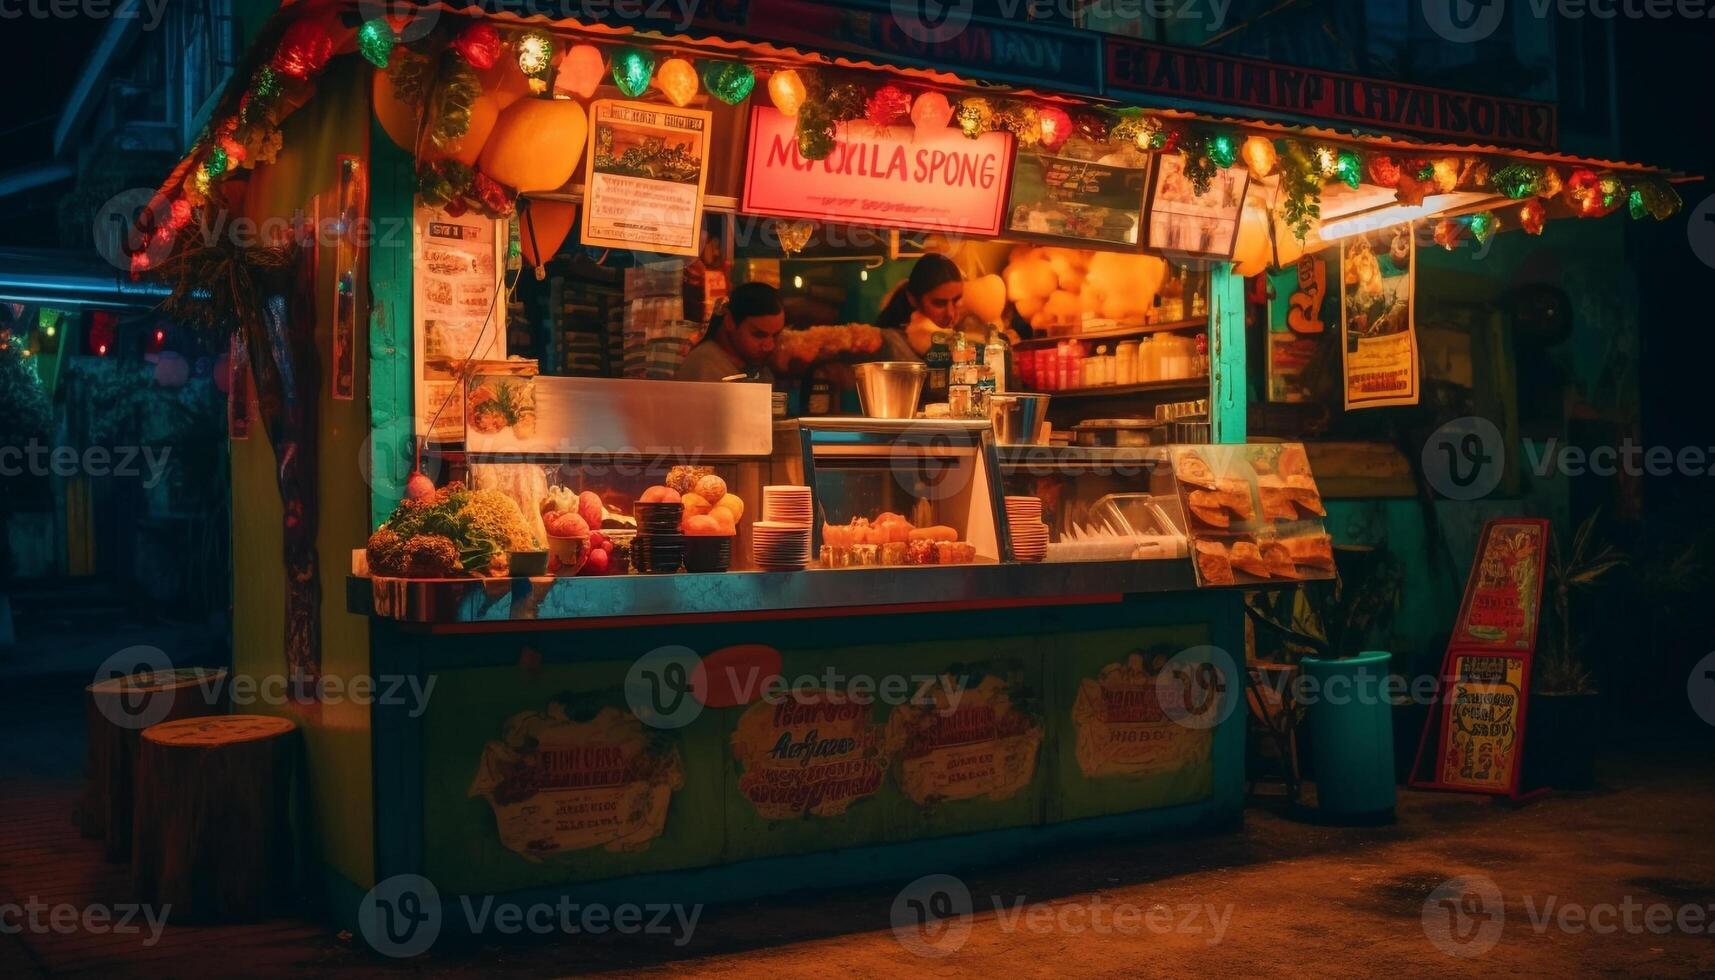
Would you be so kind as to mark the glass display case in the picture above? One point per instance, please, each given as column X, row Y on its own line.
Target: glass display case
column 622, row 442
column 1101, row 504
column 896, row 493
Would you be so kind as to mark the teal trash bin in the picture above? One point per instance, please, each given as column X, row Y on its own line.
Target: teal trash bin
column 1351, row 736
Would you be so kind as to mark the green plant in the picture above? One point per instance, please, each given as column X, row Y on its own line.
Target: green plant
column 1335, row 619
column 1577, row 570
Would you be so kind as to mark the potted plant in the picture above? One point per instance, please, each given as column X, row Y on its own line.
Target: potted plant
column 1561, row 730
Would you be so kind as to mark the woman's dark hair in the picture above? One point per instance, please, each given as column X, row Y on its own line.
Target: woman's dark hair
column 931, row 272
column 746, row 301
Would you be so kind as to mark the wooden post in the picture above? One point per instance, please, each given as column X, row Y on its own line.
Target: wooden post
column 115, row 713
column 1228, row 396
column 213, row 830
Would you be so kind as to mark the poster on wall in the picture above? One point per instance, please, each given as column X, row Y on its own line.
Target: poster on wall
column 1184, row 222
column 879, row 176
column 644, row 177
column 556, row 785
column 1378, row 277
column 965, row 739
column 1085, row 202
column 457, row 311
column 814, row 752
column 1504, row 595
column 1297, row 326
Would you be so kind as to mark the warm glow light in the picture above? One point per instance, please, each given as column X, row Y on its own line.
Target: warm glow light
column 797, row 282
column 581, row 72
column 863, row 275
column 102, row 350
column 786, row 89
column 677, row 80
column 50, row 331
column 931, row 112
column 1260, row 156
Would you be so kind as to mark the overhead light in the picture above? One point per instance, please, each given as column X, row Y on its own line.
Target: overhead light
column 1379, row 209
column 863, row 274
column 797, row 282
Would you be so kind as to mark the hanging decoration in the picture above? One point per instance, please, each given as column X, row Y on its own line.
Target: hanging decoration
column 580, row 74
column 1222, row 149
column 1449, row 232
column 1588, row 194
column 729, row 81
column 1654, row 199
column 375, row 41
column 536, row 58
column 537, row 145
column 542, row 229
column 1200, row 167
column 931, row 113
column 1551, row 184
column 1416, row 182
column 793, row 235
column 480, row 46
column 1348, row 169
column 306, row 46
column 1094, row 125
column 1383, row 170
column 846, row 101
column 817, row 133
column 1518, row 181
column 457, row 92
column 1300, row 189
column 1019, row 119
column 1533, row 216
column 1327, row 160
column 458, row 189
column 1260, row 156
column 632, row 70
column 1444, row 175
column 786, row 90
column 1053, row 127
column 1483, row 225
column 975, row 116
column 889, row 106
column 677, row 80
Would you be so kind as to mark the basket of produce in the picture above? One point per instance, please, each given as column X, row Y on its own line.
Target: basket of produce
column 453, row 532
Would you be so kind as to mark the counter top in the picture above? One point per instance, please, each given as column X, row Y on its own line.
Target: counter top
column 476, row 605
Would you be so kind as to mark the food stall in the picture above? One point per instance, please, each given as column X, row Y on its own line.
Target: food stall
column 706, row 640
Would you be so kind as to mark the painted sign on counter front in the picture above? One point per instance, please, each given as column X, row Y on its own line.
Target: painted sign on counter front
column 961, row 744
column 814, row 752
column 558, row 785
column 885, row 176
column 1124, row 730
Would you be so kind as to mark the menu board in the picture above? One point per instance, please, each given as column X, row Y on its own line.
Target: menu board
column 1254, row 514
column 888, row 176
column 1184, row 222
column 964, row 743
column 1123, row 728
column 458, row 313
column 814, row 752
column 1483, row 719
column 1378, row 276
column 1083, row 201
column 644, row 177
column 557, row 785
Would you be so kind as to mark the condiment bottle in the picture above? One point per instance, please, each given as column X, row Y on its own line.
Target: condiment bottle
column 1103, row 366
column 1125, row 363
column 939, row 360
column 996, row 354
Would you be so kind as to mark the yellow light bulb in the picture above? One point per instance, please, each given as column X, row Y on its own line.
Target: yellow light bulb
column 786, row 89
column 677, row 80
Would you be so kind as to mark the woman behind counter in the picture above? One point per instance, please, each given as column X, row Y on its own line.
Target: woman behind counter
column 928, row 300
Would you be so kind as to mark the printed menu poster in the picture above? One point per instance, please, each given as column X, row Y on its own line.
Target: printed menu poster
column 814, row 753
column 1123, row 728
column 1195, row 225
column 458, row 311
column 1377, row 282
column 1482, row 721
column 1297, row 324
column 963, row 743
column 558, row 785
column 1504, row 595
column 1099, row 201
column 644, row 179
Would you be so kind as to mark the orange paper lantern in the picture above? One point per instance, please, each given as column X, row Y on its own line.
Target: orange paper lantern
column 542, row 229
column 677, row 80
column 582, row 71
column 786, row 89
column 536, row 145
column 931, row 113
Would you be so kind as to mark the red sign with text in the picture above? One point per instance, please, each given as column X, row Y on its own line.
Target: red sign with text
column 890, row 177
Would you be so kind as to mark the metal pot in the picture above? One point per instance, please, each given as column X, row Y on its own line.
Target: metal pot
column 891, row 389
column 1018, row 418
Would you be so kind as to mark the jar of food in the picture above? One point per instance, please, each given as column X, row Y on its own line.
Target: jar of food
column 1125, row 363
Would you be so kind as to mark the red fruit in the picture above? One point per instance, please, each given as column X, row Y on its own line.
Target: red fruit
column 589, row 508
column 597, row 563
column 599, row 541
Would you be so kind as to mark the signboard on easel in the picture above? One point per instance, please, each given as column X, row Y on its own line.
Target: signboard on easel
column 1477, row 725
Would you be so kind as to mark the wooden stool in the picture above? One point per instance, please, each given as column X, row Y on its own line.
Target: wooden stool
column 213, row 833
column 115, row 714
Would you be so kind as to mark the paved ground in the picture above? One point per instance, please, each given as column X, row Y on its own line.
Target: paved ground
column 1283, row 897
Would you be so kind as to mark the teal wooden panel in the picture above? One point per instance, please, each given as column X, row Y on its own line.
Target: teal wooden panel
column 392, row 193
column 1228, row 397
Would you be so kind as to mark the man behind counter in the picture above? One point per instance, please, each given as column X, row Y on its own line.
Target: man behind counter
column 740, row 339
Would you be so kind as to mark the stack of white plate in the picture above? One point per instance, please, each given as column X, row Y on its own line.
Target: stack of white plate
column 1029, row 534
column 778, row 546
column 787, row 505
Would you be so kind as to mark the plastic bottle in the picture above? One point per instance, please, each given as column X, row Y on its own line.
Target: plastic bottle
column 939, row 360
column 1125, row 363
column 1147, row 354
column 996, row 355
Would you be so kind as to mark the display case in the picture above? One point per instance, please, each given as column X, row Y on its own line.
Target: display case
column 896, row 493
column 1101, row 504
column 709, row 443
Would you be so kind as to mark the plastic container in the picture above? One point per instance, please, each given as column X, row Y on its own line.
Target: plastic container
column 1351, row 733
column 1125, row 363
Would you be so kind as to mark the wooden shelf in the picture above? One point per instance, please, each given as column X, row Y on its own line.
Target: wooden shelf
column 1109, row 391
column 1137, row 331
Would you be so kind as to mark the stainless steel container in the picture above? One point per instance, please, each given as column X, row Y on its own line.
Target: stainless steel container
column 890, row 389
column 1017, row 418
